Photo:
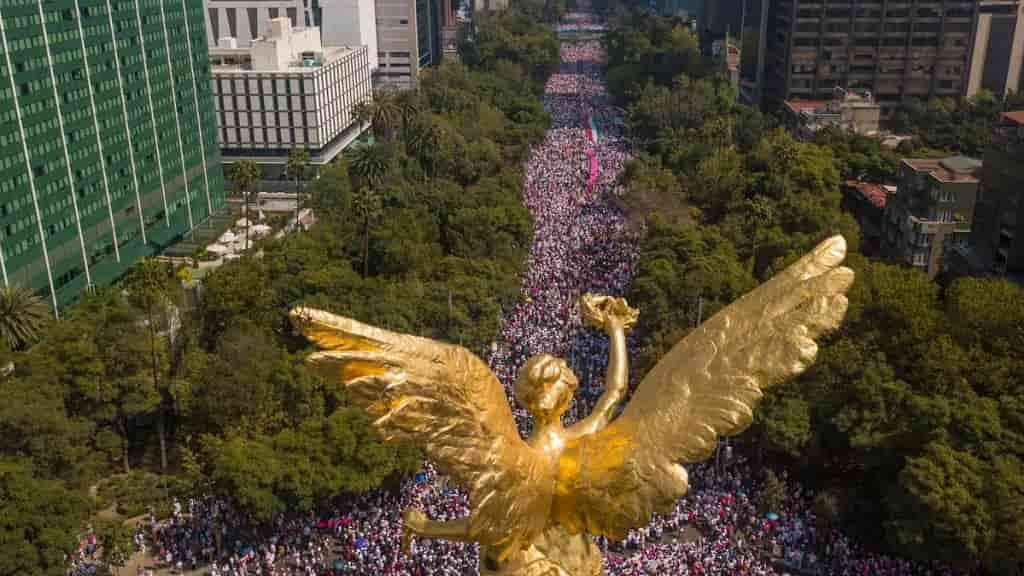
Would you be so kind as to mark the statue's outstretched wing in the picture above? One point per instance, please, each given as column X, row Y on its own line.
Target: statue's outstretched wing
column 705, row 387
column 446, row 400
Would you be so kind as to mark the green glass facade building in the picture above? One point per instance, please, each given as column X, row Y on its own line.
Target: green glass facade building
column 108, row 145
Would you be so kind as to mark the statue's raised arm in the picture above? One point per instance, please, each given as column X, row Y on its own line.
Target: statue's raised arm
column 616, row 318
column 705, row 387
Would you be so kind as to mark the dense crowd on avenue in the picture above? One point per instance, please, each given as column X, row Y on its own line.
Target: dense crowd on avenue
column 581, row 244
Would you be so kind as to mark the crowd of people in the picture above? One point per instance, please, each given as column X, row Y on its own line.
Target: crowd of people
column 581, row 244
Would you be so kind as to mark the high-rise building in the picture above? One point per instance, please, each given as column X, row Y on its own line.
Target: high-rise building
column 753, row 43
column 722, row 17
column 996, row 245
column 246, row 20
column 898, row 50
column 350, row 23
column 408, row 39
column 107, row 146
column 997, row 48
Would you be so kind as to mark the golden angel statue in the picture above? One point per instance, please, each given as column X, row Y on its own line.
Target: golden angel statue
column 536, row 502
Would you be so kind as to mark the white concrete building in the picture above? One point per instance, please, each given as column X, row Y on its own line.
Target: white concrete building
column 287, row 91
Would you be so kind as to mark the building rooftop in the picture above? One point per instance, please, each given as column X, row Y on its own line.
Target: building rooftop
column 239, row 60
column 285, row 49
column 798, row 106
column 841, row 98
column 876, row 194
column 952, row 169
column 1016, row 116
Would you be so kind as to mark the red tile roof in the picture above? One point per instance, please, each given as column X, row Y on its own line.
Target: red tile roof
column 876, row 194
column 801, row 105
column 1015, row 116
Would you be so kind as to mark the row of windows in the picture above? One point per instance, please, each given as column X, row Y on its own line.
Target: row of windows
column 88, row 148
column 258, row 137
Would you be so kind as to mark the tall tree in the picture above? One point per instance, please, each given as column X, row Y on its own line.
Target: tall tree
column 115, row 539
column 41, row 522
column 153, row 289
column 408, row 106
column 23, row 315
column 367, row 203
column 383, row 112
column 369, row 164
column 297, row 160
column 422, row 139
column 100, row 357
column 245, row 174
column 773, row 493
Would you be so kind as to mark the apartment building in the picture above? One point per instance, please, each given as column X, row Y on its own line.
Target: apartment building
column 896, row 49
column 107, row 152
column 285, row 91
column 996, row 245
column 931, row 211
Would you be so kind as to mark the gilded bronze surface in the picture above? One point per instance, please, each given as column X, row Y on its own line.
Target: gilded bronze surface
column 536, row 502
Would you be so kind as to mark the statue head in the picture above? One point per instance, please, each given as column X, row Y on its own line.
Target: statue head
column 545, row 386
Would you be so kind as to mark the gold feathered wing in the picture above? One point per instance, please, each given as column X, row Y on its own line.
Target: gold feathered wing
column 447, row 401
column 705, row 387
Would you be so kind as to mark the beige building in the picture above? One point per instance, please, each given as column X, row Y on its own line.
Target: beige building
column 997, row 52
column 931, row 211
column 847, row 110
column 287, row 91
column 408, row 39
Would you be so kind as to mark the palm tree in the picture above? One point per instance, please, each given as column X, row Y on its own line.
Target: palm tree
column 422, row 140
column 383, row 112
column 408, row 106
column 369, row 164
column 245, row 174
column 23, row 315
column 368, row 204
column 153, row 289
column 297, row 160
